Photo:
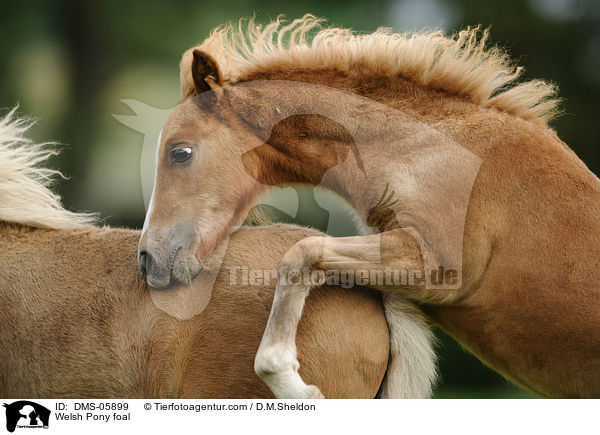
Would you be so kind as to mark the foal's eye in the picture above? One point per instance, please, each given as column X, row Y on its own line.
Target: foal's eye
column 181, row 154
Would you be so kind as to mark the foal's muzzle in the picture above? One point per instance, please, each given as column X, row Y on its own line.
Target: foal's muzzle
column 157, row 277
column 166, row 256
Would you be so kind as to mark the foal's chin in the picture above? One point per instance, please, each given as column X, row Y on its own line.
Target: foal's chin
column 186, row 267
column 159, row 283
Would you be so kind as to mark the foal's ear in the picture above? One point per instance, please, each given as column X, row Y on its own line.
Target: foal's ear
column 205, row 72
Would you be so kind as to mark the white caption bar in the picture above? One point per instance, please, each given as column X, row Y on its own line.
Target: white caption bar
column 153, row 416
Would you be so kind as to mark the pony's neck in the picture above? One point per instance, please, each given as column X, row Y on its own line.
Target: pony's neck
column 418, row 149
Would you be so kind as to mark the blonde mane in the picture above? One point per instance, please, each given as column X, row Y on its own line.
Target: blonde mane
column 25, row 196
column 459, row 65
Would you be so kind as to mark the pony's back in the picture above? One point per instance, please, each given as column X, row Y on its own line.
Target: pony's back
column 76, row 320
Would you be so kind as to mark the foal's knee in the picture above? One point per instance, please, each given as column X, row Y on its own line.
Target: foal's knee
column 303, row 254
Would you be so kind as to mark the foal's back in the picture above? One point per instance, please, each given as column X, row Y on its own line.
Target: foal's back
column 76, row 321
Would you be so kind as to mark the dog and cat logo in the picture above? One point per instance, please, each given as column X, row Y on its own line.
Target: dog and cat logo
column 25, row 414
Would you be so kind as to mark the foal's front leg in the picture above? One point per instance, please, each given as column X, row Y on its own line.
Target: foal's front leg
column 276, row 360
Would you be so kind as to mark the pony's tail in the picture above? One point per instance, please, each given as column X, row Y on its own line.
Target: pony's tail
column 25, row 195
column 412, row 369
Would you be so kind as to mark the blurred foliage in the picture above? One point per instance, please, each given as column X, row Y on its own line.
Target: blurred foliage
column 70, row 62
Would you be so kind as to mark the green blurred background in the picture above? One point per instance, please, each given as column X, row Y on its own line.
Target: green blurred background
column 70, row 63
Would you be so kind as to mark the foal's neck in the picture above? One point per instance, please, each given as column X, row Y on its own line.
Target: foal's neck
column 419, row 146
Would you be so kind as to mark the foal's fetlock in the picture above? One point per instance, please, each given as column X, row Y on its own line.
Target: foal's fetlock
column 274, row 359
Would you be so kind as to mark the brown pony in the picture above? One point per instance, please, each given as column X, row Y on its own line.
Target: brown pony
column 473, row 207
column 76, row 320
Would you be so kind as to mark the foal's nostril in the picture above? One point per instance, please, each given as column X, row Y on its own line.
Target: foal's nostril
column 144, row 261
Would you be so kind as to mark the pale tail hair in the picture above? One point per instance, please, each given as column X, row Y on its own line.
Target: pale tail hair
column 412, row 367
column 25, row 194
